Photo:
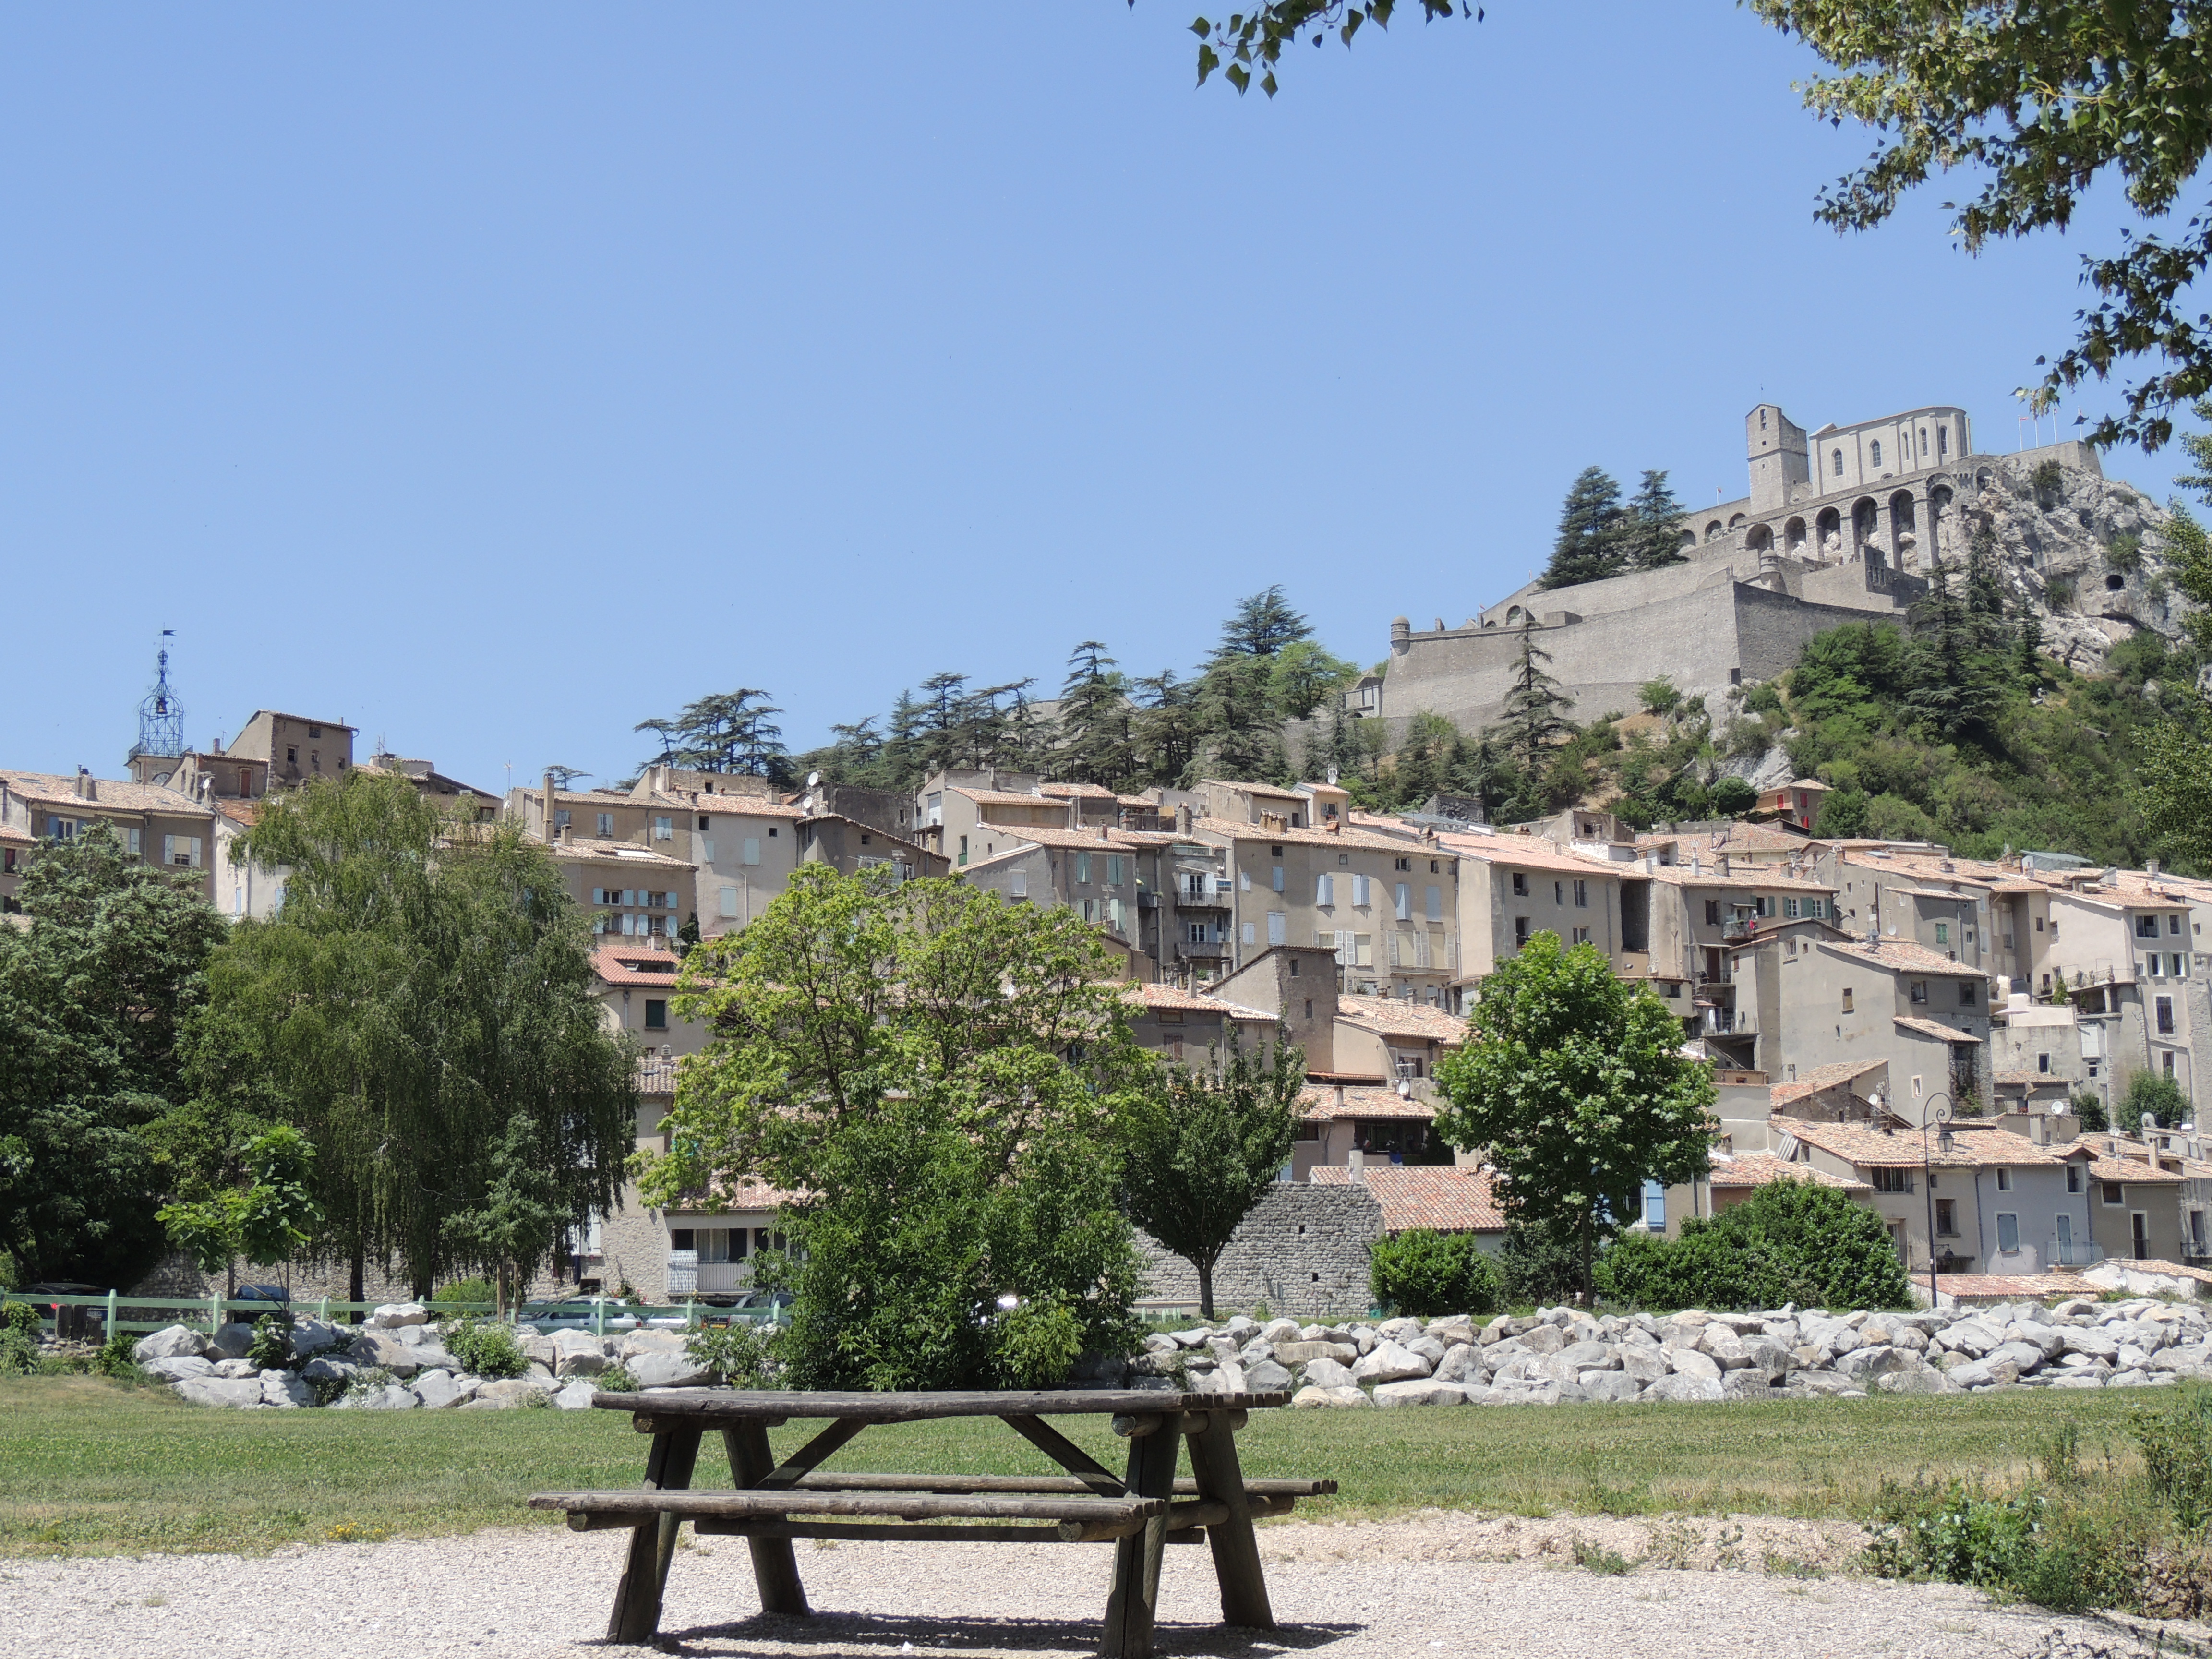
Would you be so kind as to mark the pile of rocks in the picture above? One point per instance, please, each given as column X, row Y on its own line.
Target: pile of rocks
column 1564, row 1354
column 397, row 1361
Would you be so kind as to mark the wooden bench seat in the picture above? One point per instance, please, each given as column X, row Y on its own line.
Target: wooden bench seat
column 1070, row 1519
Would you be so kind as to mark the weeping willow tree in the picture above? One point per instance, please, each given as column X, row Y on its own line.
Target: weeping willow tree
column 422, row 1007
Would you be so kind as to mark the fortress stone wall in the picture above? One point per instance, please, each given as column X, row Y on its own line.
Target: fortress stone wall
column 1840, row 524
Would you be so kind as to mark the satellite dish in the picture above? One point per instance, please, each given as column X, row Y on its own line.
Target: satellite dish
column 813, row 780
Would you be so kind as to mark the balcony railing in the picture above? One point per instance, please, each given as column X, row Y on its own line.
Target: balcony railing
column 2075, row 1254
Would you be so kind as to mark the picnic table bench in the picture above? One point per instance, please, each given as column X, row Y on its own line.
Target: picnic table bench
column 770, row 1504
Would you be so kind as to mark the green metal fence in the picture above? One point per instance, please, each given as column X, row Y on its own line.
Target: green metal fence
column 124, row 1311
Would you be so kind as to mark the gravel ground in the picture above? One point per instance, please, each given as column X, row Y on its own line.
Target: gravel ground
column 1448, row 1584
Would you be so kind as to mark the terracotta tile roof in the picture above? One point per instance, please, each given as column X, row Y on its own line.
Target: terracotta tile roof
column 1009, row 798
column 1097, row 838
column 1901, row 956
column 618, row 966
column 1761, row 878
column 1751, row 837
column 1410, row 1019
column 1971, row 1148
column 1349, row 839
column 1317, row 1103
column 1933, row 1028
column 2029, row 1080
column 656, row 1077
column 16, row 837
column 727, row 806
column 2152, row 1264
column 116, row 794
column 732, row 1196
column 2007, row 1287
column 1441, row 1196
column 1266, row 789
column 1530, row 852
column 1824, row 1076
column 1155, row 996
column 2122, row 1167
column 246, row 812
column 1749, row 1169
column 613, row 851
column 1088, row 791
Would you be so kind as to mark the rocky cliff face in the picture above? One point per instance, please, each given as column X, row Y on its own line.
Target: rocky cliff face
column 2086, row 555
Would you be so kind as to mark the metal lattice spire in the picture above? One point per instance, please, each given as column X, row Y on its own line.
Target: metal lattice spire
column 162, row 714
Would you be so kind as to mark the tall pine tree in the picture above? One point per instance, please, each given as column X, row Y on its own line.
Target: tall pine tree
column 1591, row 524
column 1534, row 713
column 1653, row 534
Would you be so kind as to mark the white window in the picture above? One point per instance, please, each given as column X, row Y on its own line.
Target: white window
column 1436, row 897
column 2007, row 1232
column 1359, row 896
column 1325, row 890
column 1114, row 914
column 1405, row 901
column 1278, row 928
column 182, row 851
column 729, row 902
column 1194, row 931
column 134, row 842
column 1582, row 936
column 62, row 829
column 1276, row 879
column 664, row 829
column 606, row 825
column 238, row 899
column 1790, row 909
column 1083, row 866
column 1017, row 884
column 749, row 849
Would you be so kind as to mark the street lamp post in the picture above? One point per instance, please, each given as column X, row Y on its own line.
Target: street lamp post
column 1930, row 1115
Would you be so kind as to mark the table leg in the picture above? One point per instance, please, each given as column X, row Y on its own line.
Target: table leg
column 1134, row 1600
column 1235, row 1547
column 775, row 1567
column 668, row 1468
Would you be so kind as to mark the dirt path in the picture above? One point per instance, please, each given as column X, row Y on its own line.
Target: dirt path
column 1441, row 1584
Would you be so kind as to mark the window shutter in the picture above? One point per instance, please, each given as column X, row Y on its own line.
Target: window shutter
column 752, row 850
column 1278, row 924
column 1324, row 890
column 1276, row 880
column 1019, row 883
column 1435, row 898
column 1405, row 897
column 729, row 902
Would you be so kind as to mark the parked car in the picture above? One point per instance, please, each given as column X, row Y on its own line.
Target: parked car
column 278, row 1298
column 71, row 1324
column 580, row 1313
column 763, row 1308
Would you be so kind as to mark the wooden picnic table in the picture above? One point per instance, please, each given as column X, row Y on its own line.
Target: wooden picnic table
column 770, row 1503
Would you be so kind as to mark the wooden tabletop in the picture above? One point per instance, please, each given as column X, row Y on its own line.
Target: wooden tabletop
column 726, row 1404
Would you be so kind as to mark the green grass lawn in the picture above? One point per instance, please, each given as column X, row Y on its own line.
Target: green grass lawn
column 90, row 1466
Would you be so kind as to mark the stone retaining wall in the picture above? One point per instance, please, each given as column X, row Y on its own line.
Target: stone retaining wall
column 1302, row 1250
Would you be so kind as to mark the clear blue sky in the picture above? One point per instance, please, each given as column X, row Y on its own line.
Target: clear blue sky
column 496, row 377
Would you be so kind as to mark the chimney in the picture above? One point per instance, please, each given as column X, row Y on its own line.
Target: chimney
column 1724, row 863
column 2151, row 868
column 1357, row 1161
column 85, row 790
column 548, row 803
column 1182, row 818
column 1340, row 1097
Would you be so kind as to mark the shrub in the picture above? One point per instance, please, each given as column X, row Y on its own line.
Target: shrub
column 1790, row 1240
column 116, row 1356
column 616, row 1379
column 2124, row 551
column 743, row 1355
column 21, row 1317
column 2157, row 1094
column 1039, row 1342
column 465, row 1289
column 1539, row 1264
column 1733, row 797
column 2058, row 593
column 19, row 1354
column 1426, row 1274
column 486, row 1348
column 1658, row 696
column 2177, row 1450
column 271, row 1347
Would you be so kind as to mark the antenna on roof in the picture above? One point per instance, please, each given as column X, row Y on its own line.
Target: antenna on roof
column 161, row 714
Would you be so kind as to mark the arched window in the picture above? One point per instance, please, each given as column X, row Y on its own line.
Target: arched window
column 1942, row 441
column 1923, row 440
column 1762, row 420
column 1874, row 452
column 1838, row 455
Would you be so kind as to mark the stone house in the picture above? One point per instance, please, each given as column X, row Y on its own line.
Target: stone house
column 636, row 989
column 1690, row 922
column 1512, row 887
column 1997, row 1203
column 852, row 845
column 1797, row 803
column 631, row 893
column 1351, row 1124
column 1386, row 905
column 1399, row 1042
column 1806, row 998
column 2136, row 1197
column 293, row 748
column 2125, row 942
column 1440, row 1198
column 157, row 825
column 1094, row 872
column 1189, row 1028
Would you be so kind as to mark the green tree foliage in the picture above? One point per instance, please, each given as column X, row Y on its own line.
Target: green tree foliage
column 1601, row 535
column 1203, row 1145
column 1096, row 740
column 2155, row 1095
column 1256, row 39
column 2176, row 774
column 2090, row 1108
column 726, row 731
column 422, row 1005
column 1790, row 1240
column 1426, row 1274
column 98, row 995
column 1540, row 1263
column 1732, row 797
column 270, row 1218
column 2037, row 103
column 935, row 1077
column 1534, row 718
column 1574, row 1087
column 1658, row 696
